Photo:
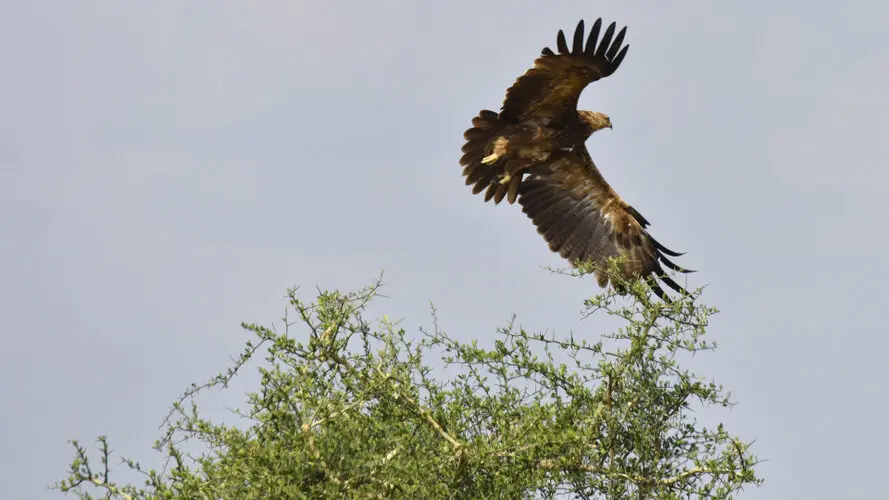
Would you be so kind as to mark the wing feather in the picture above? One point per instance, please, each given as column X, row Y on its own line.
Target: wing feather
column 561, row 44
column 615, row 46
column 565, row 226
column 582, row 218
column 577, row 46
column 591, row 40
column 605, row 43
column 576, row 243
column 552, row 87
column 598, row 243
column 656, row 288
column 550, row 214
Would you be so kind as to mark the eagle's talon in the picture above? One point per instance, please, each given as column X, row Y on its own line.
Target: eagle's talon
column 505, row 178
column 491, row 158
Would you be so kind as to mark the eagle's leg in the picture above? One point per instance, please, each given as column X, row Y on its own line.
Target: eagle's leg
column 512, row 171
column 498, row 151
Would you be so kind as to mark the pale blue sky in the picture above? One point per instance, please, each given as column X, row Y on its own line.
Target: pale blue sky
column 168, row 169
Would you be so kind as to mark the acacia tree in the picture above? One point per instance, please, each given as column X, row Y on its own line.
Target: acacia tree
column 351, row 408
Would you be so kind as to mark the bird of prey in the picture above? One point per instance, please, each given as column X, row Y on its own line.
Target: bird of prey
column 533, row 151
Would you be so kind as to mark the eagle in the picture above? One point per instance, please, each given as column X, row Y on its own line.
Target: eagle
column 533, row 151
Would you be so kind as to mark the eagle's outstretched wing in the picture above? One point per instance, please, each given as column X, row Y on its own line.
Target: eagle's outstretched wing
column 552, row 87
column 583, row 218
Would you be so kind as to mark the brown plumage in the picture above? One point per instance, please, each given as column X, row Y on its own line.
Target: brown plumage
column 533, row 151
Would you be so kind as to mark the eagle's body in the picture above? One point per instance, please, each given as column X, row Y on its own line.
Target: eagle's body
column 534, row 151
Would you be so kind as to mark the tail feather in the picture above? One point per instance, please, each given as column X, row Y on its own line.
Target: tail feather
column 479, row 144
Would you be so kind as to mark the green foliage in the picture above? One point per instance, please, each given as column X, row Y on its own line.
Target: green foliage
column 347, row 408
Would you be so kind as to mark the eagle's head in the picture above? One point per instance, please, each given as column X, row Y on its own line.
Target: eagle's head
column 594, row 120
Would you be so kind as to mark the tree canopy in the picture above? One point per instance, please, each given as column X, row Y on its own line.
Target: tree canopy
column 358, row 408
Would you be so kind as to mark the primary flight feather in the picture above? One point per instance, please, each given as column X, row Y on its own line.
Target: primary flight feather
column 534, row 151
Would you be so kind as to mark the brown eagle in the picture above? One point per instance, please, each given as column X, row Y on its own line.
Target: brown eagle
column 533, row 151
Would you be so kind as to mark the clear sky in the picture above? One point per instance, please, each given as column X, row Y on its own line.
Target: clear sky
column 168, row 169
